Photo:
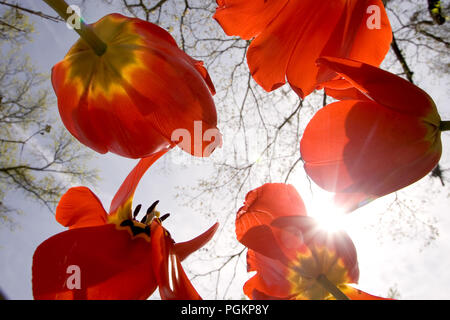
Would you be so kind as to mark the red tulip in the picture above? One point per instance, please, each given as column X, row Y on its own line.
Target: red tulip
column 383, row 136
column 289, row 36
column 112, row 256
column 293, row 258
column 132, row 98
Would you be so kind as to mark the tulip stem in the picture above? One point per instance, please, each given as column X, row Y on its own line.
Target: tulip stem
column 331, row 288
column 85, row 32
column 445, row 126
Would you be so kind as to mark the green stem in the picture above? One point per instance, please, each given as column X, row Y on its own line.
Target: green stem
column 331, row 288
column 85, row 32
column 445, row 126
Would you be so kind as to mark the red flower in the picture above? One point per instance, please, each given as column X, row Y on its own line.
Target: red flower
column 289, row 36
column 293, row 258
column 131, row 99
column 113, row 255
column 384, row 135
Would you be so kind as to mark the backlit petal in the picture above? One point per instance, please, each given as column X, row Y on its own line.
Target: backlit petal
column 72, row 105
column 352, row 147
column 279, row 40
column 261, row 207
column 363, row 34
column 184, row 249
column 133, row 98
column 121, row 204
column 172, row 280
column 328, row 248
column 356, row 294
column 289, row 36
column 316, row 22
column 80, row 207
column 341, row 89
column 370, row 44
column 268, row 202
column 246, row 18
column 110, row 265
column 270, row 279
column 251, row 291
column 385, row 88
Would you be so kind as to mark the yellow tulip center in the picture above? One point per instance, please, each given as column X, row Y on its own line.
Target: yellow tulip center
column 317, row 274
column 140, row 227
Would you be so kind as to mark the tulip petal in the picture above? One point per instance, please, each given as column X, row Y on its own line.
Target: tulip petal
column 121, row 204
column 71, row 94
column 200, row 66
column 356, row 294
column 341, row 89
column 163, row 65
column 296, row 33
column 123, row 128
column 373, row 82
column 184, row 249
column 187, row 112
column 261, row 207
column 158, row 38
column 270, row 201
column 319, row 20
column 80, row 207
column 363, row 34
column 89, row 90
column 133, row 98
column 246, row 18
column 346, row 94
column 262, row 239
column 338, row 244
column 110, row 265
column 172, row 280
column 271, row 278
column 255, row 294
column 369, row 44
column 295, row 46
column 353, row 147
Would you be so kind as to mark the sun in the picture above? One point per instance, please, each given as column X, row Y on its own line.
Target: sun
column 329, row 217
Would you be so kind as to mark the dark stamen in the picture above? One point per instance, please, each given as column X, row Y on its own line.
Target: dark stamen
column 150, row 210
column 135, row 229
column 126, row 223
column 136, row 210
column 164, row 217
column 152, row 207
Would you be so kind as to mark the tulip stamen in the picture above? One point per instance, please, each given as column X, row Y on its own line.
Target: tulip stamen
column 144, row 219
column 331, row 287
column 136, row 211
column 150, row 213
column 164, row 217
column 137, row 227
column 152, row 207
